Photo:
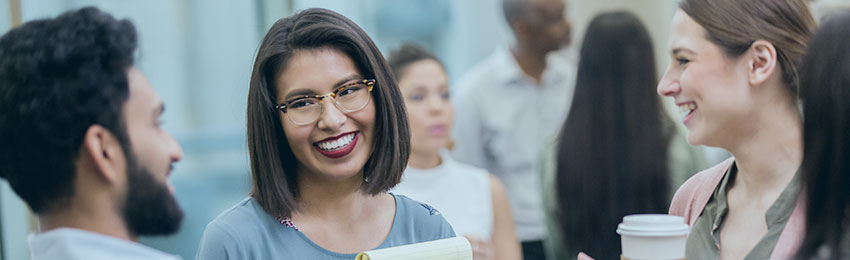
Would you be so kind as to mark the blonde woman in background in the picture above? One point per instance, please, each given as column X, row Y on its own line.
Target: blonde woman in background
column 473, row 201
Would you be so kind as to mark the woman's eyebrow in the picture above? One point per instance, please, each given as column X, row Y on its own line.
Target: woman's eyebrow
column 305, row 92
column 298, row 93
column 678, row 50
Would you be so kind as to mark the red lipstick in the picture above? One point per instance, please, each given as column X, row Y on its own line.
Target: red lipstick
column 338, row 152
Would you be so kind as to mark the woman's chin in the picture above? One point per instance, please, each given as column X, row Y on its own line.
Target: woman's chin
column 338, row 170
column 693, row 138
column 431, row 149
column 438, row 143
column 338, row 175
column 692, row 141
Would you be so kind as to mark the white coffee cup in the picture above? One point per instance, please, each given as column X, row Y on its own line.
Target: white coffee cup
column 653, row 236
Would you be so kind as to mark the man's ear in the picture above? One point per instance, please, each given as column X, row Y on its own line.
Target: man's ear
column 763, row 62
column 105, row 152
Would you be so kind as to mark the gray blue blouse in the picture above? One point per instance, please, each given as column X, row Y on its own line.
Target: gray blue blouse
column 246, row 231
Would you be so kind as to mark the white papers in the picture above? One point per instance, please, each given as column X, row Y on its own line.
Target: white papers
column 456, row 248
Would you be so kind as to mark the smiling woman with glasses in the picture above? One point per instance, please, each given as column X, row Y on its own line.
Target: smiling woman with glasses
column 327, row 137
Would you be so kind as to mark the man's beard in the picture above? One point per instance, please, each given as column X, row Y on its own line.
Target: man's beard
column 150, row 208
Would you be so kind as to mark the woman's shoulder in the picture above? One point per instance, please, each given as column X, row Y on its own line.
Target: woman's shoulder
column 416, row 210
column 237, row 232
column 244, row 219
column 696, row 191
column 421, row 220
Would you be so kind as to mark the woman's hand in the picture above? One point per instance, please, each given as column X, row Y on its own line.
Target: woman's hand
column 481, row 249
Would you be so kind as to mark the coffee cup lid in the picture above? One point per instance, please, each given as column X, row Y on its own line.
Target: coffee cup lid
column 653, row 225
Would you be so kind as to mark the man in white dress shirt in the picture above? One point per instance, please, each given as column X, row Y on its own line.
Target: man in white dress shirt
column 81, row 138
column 507, row 105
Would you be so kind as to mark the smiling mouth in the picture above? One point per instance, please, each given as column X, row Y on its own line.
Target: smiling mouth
column 336, row 147
column 687, row 110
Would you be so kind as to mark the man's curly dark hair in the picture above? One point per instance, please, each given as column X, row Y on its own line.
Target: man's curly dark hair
column 58, row 77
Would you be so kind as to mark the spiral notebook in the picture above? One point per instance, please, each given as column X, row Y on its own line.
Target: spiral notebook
column 456, row 248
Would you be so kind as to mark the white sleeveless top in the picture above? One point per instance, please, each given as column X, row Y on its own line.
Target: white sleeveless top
column 460, row 191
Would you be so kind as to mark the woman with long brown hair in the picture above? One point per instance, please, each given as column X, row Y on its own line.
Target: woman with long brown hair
column 733, row 74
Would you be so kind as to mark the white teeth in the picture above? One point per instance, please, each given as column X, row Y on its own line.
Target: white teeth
column 686, row 109
column 337, row 144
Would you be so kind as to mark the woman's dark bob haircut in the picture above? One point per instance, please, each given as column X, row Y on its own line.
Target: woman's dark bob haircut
column 275, row 184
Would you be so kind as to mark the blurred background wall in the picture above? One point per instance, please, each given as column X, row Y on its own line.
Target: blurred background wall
column 198, row 55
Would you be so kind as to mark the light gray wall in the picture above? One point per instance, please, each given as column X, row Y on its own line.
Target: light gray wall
column 821, row 9
column 13, row 212
column 5, row 16
column 15, row 223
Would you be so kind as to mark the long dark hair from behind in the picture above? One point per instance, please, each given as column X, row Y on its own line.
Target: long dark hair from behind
column 613, row 148
column 825, row 89
column 272, row 162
